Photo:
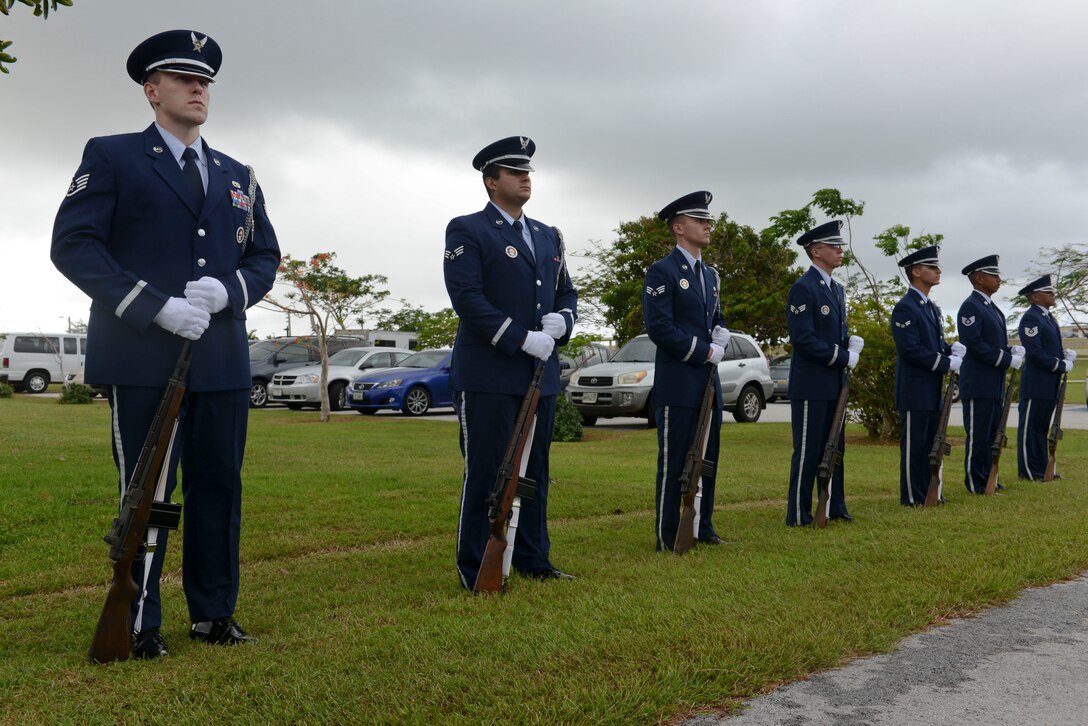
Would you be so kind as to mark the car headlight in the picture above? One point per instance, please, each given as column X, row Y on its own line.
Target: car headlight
column 630, row 379
column 308, row 378
column 391, row 383
column 574, row 379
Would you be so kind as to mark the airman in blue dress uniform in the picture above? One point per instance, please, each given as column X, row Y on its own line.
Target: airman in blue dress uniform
column 156, row 230
column 1045, row 362
column 922, row 357
column 683, row 316
column 822, row 351
column 508, row 283
column 981, row 329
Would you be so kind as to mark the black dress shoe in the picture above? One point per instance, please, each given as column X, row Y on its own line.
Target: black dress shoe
column 843, row 517
column 148, row 645
column 222, row 631
column 712, row 540
column 1000, row 487
column 551, row 573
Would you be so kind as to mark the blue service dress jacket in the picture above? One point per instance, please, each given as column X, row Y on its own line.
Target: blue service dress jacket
column 818, row 333
column 921, row 353
column 680, row 321
column 488, row 271
column 129, row 236
column 981, row 329
column 1041, row 374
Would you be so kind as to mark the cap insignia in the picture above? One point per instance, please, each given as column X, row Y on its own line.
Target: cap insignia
column 524, row 142
column 198, row 45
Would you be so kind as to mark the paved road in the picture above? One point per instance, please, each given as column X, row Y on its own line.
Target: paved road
column 1025, row 663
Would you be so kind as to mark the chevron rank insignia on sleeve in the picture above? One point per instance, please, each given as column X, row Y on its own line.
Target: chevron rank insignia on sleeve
column 903, row 324
column 78, row 184
column 799, row 309
column 968, row 322
column 654, row 292
column 1031, row 332
column 455, row 253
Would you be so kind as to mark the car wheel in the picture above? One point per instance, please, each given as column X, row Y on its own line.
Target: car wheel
column 588, row 420
column 338, row 399
column 416, row 402
column 749, row 405
column 258, row 395
column 36, row 382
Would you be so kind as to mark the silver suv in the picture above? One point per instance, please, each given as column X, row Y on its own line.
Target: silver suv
column 300, row 387
column 624, row 385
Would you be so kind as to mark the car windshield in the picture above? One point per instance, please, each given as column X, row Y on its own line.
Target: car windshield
column 424, row 359
column 639, row 350
column 260, row 351
column 346, row 357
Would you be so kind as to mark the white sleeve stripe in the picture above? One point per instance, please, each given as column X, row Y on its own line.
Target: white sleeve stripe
column 502, row 329
column 1000, row 356
column 245, row 291
column 691, row 350
column 834, row 356
column 937, row 363
column 1056, row 366
column 133, row 294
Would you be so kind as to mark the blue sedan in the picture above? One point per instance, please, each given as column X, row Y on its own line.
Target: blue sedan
column 418, row 383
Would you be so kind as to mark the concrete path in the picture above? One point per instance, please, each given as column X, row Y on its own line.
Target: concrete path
column 1024, row 663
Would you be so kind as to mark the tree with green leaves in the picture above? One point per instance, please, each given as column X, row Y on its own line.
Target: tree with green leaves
column 41, row 10
column 328, row 297
column 756, row 273
column 1068, row 267
column 872, row 386
column 435, row 329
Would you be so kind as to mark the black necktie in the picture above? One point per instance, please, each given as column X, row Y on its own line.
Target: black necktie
column 192, row 176
column 699, row 283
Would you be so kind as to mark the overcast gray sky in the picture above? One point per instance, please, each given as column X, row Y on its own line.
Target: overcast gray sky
column 361, row 119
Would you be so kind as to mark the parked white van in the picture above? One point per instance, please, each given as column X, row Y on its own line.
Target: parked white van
column 31, row 361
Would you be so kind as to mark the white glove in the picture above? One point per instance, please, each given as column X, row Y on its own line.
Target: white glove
column 1070, row 354
column 853, row 359
column 717, row 352
column 538, row 344
column 856, row 344
column 1068, row 365
column 554, row 325
column 181, row 318
column 207, row 293
column 1017, row 361
column 954, row 363
column 1018, row 350
column 959, row 349
column 720, row 336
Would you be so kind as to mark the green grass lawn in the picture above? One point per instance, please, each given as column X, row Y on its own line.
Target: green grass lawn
column 348, row 578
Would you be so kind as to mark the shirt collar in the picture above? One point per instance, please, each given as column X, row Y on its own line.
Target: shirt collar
column 177, row 148
column 507, row 217
column 688, row 256
column 920, row 294
column 823, row 275
column 984, row 296
column 1046, row 313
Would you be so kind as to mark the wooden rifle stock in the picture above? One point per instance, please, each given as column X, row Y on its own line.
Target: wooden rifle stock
column 507, row 481
column 113, row 636
column 1000, row 439
column 694, row 463
column 832, row 456
column 1055, row 432
column 940, row 443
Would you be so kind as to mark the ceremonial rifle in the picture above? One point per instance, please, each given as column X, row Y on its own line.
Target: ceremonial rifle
column 510, row 482
column 113, row 635
column 1055, row 432
column 940, row 443
column 694, row 463
column 1000, row 439
column 832, row 457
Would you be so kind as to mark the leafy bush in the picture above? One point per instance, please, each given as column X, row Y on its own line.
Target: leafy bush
column 568, row 422
column 6, row 391
column 77, row 393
